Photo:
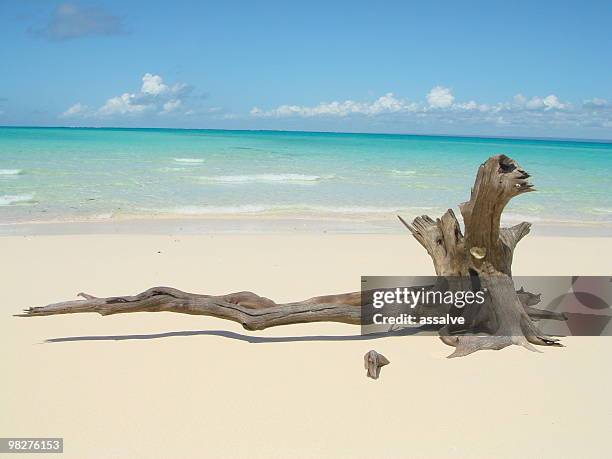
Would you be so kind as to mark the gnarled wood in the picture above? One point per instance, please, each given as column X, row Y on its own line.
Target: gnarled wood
column 443, row 241
column 498, row 180
column 486, row 252
column 481, row 254
column 252, row 311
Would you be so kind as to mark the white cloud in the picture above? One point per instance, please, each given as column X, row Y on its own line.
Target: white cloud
column 596, row 103
column 553, row 102
column 74, row 110
column 153, row 85
column 439, row 101
column 384, row 104
column 440, row 107
column 550, row 102
column 471, row 105
column 154, row 96
column 122, row 105
column 171, row 105
column 440, row 97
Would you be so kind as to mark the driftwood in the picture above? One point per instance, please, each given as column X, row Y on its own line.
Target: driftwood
column 373, row 362
column 484, row 253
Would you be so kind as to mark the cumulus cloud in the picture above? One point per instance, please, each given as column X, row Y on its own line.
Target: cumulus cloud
column 438, row 100
column 154, row 96
column 440, row 97
column 69, row 21
column 121, row 105
column 74, row 110
column 153, row 84
column 440, row 106
column 596, row 103
column 171, row 105
column 384, row 104
column 550, row 102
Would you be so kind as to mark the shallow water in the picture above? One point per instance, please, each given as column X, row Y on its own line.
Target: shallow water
column 49, row 174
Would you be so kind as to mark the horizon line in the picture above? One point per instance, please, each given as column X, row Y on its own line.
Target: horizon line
column 468, row 136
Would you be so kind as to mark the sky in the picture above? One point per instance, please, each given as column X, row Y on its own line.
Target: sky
column 522, row 68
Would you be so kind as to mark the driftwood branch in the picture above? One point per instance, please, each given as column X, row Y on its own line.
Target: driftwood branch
column 252, row 311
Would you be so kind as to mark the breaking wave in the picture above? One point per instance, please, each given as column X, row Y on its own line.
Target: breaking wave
column 12, row 199
column 288, row 209
column 189, row 160
column 400, row 172
column 11, row 171
column 266, row 178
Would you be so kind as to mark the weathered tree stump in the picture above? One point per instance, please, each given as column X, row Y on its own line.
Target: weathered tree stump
column 483, row 254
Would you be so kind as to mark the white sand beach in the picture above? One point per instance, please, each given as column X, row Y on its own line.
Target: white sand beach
column 162, row 385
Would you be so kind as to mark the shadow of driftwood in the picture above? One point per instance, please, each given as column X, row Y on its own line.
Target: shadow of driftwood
column 235, row 336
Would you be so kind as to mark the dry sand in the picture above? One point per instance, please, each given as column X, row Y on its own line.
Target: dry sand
column 172, row 386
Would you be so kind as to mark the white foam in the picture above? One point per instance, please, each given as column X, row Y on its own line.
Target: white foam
column 365, row 209
column 602, row 210
column 219, row 210
column 173, row 169
column 189, row 160
column 400, row 172
column 266, row 178
column 11, row 171
column 8, row 199
column 297, row 208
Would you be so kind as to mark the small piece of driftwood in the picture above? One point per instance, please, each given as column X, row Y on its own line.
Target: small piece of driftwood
column 373, row 362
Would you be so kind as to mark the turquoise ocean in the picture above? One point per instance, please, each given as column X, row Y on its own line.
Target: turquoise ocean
column 82, row 174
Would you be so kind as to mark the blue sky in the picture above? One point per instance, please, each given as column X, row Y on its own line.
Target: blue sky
column 525, row 68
